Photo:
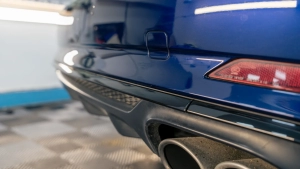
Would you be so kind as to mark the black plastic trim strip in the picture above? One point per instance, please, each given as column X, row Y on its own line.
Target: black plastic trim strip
column 272, row 127
column 137, row 91
column 216, row 103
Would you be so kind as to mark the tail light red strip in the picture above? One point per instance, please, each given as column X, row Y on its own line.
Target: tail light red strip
column 276, row 75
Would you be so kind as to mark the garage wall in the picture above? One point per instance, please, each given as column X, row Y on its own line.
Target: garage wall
column 27, row 51
column 26, row 56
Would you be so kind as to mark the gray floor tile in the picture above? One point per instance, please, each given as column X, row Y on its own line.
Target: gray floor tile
column 21, row 166
column 53, row 141
column 21, row 152
column 61, row 148
column 71, row 166
column 83, row 139
column 104, row 149
column 99, row 163
column 76, row 134
column 125, row 156
column 102, row 130
column 42, row 129
column 143, row 149
column 154, row 157
column 125, row 142
column 68, row 138
column 2, row 127
column 74, row 106
column 85, row 122
column 65, row 114
column 55, row 162
column 9, row 137
column 87, row 141
column 80, row 156
column 145, row 164
column 22, row 120
column 103, row 118
column 15, row 113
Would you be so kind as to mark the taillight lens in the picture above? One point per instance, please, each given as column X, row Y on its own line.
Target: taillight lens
column 277, row 75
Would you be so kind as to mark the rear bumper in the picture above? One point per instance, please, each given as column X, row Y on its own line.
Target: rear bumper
column 138, row 111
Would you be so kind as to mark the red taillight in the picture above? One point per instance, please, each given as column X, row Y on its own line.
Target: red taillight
column 277, row 75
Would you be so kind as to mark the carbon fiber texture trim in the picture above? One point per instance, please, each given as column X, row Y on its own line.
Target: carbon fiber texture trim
column 104, row 91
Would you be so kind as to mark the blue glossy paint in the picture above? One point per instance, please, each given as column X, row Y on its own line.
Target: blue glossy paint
column 111, row 41
column 184, row 74
column 26, row 98
column 265, row 32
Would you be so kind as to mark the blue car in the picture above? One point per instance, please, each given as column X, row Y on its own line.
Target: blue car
column 210, row 84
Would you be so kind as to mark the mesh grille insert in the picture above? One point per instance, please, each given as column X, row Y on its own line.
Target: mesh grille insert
column 104, row 91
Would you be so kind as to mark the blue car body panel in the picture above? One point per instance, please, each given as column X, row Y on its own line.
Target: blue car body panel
column 111, row 40
column 146, row 65
column 184, row 75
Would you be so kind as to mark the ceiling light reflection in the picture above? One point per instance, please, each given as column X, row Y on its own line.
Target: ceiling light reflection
column 283, row 122
column 245, row 125
column 246, row 6
column 65, row 68
column 68, row 59
column 34, row 16
column 215, row 60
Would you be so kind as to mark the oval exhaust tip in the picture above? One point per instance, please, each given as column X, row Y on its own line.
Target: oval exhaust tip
column 175, row 155
column 245, row 164
column 202, row 153
column 231, row 165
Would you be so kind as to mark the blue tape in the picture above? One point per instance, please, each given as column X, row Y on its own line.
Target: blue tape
column 25, row 98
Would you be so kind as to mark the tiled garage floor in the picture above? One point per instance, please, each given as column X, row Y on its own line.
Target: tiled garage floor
column 68, row 138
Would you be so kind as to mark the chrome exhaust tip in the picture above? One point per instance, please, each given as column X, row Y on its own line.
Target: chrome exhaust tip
column 176, row 155
column 231, row 165
column 245, row 164
column 196, row 153
column 203, row 153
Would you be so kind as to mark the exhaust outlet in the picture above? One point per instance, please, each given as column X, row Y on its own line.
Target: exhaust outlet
column 196, row 153
column 245, row 164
